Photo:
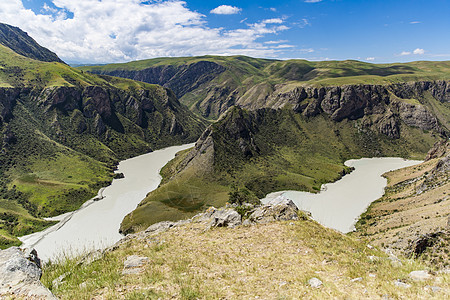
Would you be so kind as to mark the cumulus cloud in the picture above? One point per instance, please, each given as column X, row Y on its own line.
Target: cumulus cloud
column 226, row 10
column 370, row 58
column 405, row 53
column 312, row 1
column 93, row 31
column 419, row 51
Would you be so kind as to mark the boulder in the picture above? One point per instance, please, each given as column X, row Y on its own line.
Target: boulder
column 225, row 218
column 19, row 275
column 278, row 209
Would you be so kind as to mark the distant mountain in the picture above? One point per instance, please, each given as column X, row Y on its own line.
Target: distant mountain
column 209, row 85
column 21, row 43
column 62, row 131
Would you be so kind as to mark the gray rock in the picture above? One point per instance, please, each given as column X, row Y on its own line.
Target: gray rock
column 225, row 218
column 315, row 282
column 247, row 222
column 20, row 276
column 278, row 209
column 421, row 275
column 159, row 227
column 134, row 261
column 356, row 279
column 402, row 284
column 395, row 262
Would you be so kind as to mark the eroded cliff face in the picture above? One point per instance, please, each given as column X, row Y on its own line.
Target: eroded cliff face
column 384, row 107
column 154, row 115
column 180, row 79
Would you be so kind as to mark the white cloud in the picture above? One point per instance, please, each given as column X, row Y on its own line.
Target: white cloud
column 276, row 42
column 226, row 10
column 419, row 51
column 307, row 50
column 312, row 1
column 273, row 21
column 125, row 30
column 370, row 58
column 284, row 46
column 415, row 22
column 303, row 23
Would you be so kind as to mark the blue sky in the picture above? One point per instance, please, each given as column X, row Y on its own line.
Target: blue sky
column 92, row 31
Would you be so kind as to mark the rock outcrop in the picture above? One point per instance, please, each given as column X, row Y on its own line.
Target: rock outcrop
column 20, row 274
column 278, row 209
column 356, row 101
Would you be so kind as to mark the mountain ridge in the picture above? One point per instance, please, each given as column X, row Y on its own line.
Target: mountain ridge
column 243, row 80
column 21, row 43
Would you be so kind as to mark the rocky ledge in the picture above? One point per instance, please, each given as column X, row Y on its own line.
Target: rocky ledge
column 278, row 209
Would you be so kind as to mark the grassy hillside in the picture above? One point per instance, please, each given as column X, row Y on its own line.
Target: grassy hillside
column 245, row 81
column 63, row 130
column 266, row 261
column 308, row 72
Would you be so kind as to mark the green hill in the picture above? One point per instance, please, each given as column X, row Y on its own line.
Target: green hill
column 62, row 131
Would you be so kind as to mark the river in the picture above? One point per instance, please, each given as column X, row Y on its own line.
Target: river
column 96, row 224
column 339, row 204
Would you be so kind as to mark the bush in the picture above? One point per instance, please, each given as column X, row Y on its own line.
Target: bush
column 242, row 195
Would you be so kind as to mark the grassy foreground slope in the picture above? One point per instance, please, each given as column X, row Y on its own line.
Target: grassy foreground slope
column 209, row 85
column 265, row 261
column 62, row 131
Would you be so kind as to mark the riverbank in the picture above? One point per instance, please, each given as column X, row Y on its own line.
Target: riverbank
column 96, row 224
column 339, row 204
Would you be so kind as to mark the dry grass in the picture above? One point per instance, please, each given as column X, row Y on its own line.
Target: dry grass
column 266, row 261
